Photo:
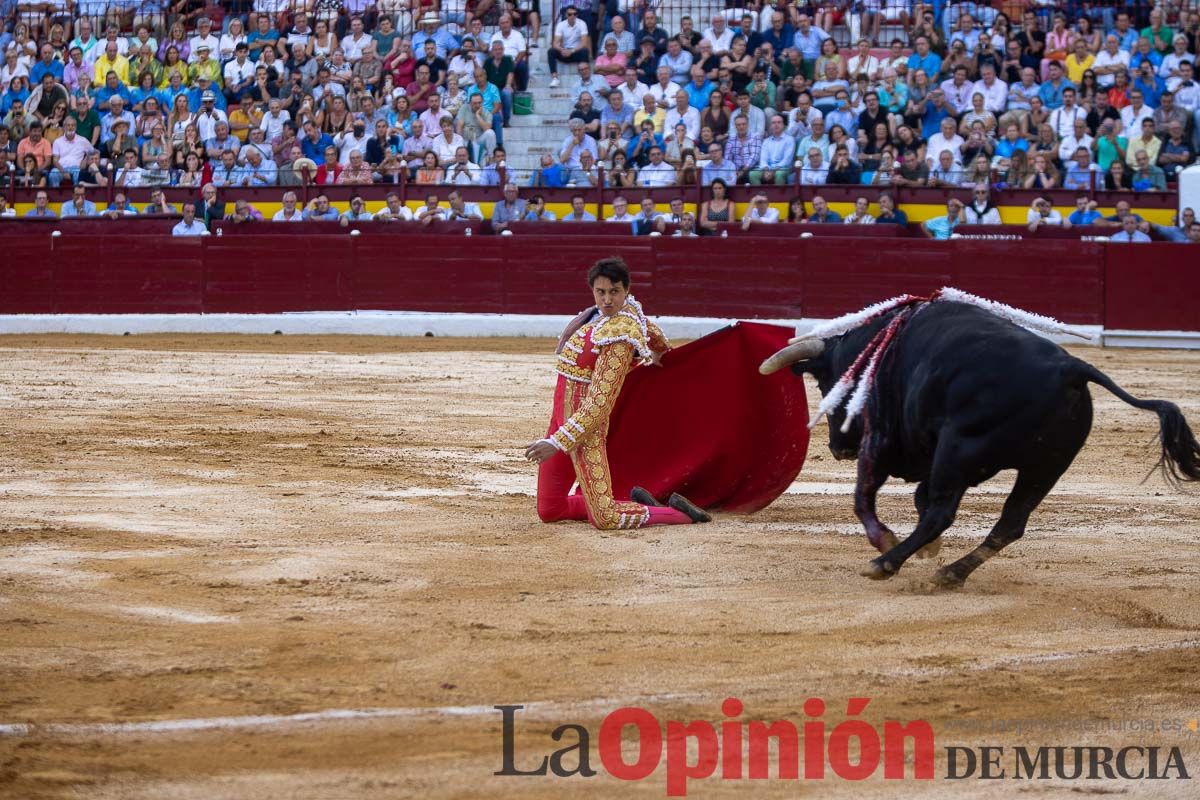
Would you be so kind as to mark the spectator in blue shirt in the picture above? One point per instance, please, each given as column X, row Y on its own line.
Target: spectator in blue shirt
column 1085, row 212
column 46, row 65
column 112, row 88
column 698, row 89
column 549, row 175
column 318, row 209
column 942, row 227
column 41, row 207
column 924, row 58
column 808, row 41
column 313, row 142
column 1079, row 171
column 936, row 110
column 264, row 36
column 79, row 206
column 1051, row 92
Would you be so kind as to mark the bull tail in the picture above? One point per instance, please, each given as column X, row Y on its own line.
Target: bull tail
column 1180, row 457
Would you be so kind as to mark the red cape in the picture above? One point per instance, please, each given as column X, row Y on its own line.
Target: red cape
column 709, row 426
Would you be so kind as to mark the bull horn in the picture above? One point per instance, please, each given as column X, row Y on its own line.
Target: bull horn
column 797, row 351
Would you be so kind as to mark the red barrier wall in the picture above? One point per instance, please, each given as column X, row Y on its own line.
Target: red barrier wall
column 1136, row 287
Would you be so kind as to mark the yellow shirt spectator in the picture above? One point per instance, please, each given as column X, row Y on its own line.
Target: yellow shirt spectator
column 118, row 64
column 659, row 118
column 1077, row 66
column 208, row 67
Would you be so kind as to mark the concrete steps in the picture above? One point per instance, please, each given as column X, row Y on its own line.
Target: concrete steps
column 529, row 137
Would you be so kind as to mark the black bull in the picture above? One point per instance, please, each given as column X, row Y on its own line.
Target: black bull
column 960, row 395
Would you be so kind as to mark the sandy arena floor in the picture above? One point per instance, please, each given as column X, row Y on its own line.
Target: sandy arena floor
column 194, row 528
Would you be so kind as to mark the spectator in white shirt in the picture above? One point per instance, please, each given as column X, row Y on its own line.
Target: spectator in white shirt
column 1133, row 114
column 273, row 121
column 945, row 139
column 189, row 225
column 1109, row 61
column 204, row 36
column 759, row 213
column 994, row 90
column 620, row 207
column 1042, row 213
column 289, row 212
column 657, row 172
column 719, row 34
column 354, row 42
column 685, row 114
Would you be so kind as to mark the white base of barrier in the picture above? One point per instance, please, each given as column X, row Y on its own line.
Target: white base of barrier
column 1180, row 340
column 379, row 323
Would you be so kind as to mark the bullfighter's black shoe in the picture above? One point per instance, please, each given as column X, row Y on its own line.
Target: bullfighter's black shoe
column 681, row 503
column 640, row 495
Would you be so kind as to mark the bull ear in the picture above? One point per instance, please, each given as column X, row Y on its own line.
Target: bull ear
column 799, row 350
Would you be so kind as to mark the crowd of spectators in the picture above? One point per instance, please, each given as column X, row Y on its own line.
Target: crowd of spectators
column 261, row 93
column 1074, row 95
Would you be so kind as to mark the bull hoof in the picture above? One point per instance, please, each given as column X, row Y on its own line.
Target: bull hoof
column 878, row 570
column 946, row 579
column 930, row 550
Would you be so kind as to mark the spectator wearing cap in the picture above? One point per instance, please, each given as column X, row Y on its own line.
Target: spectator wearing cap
column 204, row 38
column 645, row 63
column 431, row 28
column 205, row 65
column 204, row 89
column 116, row 113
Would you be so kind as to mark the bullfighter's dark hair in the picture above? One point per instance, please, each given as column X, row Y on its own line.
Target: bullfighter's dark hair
column 613, row 268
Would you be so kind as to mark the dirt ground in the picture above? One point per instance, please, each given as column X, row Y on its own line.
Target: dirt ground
column 196, row 531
